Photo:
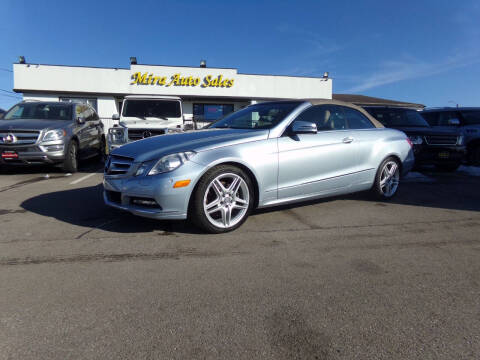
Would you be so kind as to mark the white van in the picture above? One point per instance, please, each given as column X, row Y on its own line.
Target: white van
column 145, row 116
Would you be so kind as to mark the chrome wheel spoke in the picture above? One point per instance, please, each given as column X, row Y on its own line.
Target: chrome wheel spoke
column 226, row 215
column 218, row 187
column 393, row 170
column 240, row 206
column 213, row 206
column 241, row 201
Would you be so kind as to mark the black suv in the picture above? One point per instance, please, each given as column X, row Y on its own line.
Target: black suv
column 443, row 148
column 465, row 118
column 37, row 132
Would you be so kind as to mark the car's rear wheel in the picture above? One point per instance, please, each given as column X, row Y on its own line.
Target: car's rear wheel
column 70, row 164
column 222, row 200
column 387, row 179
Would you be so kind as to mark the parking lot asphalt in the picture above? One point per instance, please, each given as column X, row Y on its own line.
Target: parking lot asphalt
column 341, row 278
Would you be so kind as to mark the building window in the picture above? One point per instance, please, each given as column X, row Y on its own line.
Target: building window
column 90, row 101
column 211, row 112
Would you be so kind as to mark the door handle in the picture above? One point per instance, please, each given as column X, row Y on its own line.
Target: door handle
column 347, row 140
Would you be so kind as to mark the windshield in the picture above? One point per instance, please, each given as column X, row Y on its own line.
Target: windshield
column 152, row 108
column 40, row 111
column 398, row 117
column 259, row 116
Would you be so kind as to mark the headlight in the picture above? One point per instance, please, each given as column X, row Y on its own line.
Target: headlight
column 167, row 163
column 54, row 135
column 416, row 140
column 116, row 135
column 460, row 140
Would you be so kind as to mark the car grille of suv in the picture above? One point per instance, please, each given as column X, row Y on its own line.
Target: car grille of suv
column 118, row 165
column 18, row 137
column 441, row 139
column 139, row 134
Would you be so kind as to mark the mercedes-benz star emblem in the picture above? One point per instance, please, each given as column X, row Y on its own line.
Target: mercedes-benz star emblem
column 10, row 139
column 146, row 134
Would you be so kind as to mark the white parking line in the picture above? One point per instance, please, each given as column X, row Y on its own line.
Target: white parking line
column 82, row 178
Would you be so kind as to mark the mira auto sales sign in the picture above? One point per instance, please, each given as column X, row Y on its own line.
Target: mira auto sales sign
column 208, row 81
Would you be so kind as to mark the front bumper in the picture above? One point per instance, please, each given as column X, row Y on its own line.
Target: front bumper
column 32, row 154
column 171, row 203
column 439, row 155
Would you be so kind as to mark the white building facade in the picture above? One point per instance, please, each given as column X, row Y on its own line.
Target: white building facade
column 207, row 93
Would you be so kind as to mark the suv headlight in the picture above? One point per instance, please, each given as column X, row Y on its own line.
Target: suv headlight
column 166, row 163
column 54, row 135
column 416, row 140
column 460, row 140
column 116, row 135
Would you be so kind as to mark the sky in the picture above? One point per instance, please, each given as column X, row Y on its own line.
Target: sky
column 417, row 51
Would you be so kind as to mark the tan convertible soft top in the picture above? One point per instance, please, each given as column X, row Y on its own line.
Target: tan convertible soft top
column 375, row 122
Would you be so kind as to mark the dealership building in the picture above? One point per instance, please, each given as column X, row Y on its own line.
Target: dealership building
column 207, row 93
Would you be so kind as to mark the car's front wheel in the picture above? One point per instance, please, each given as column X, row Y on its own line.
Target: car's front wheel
column 222, row 200
column 387, row 179
column 70, row 164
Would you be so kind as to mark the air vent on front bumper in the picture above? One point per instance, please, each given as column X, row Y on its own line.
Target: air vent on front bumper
column 138, row 134
column 118, row 165
column 441, row 139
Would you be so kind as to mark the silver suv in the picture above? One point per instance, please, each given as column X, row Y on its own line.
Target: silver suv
column 57, row 133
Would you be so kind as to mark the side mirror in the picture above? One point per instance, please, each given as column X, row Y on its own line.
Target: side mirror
column 454, row 122
column 80, row 120
column 115, row 117
column 304, row 127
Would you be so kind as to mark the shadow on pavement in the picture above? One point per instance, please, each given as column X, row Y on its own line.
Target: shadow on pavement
column 85, row 166
column 85, row 207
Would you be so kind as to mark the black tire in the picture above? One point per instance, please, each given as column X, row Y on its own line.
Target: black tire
column 228, row 201
column 70, row 164
column 102, row 152
column 448, row 167
column 378, row 190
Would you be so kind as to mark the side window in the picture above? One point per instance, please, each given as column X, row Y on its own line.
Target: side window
column 313, row 115
column 432, row 118
column 356, row 120
column 471, row 117
column 326, row 117
column 444, row 116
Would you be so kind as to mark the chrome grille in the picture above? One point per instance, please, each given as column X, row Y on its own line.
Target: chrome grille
column 138, row 134
column 18, row 137
column 118, row 165
column 441, row 139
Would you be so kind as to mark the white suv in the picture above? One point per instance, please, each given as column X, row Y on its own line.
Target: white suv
column 145, row 116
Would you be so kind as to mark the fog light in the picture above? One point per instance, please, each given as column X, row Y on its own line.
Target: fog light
column 144, row 202
column 53, row 148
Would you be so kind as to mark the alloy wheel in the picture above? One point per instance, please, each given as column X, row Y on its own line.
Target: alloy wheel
column 226, row 200
column 389, row 178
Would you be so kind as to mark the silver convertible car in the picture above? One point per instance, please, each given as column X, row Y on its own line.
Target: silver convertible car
column 264, row 155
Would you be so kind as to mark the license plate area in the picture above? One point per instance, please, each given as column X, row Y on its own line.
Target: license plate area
column 444, row 155
column 9, row 155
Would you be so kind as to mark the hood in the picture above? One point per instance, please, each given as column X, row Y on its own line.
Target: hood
column 201, row 140
column 33, row 124
column 413, row 130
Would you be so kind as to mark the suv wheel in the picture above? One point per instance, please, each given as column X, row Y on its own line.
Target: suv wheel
column 70, row 164
column 222, row 200
column 387, row 179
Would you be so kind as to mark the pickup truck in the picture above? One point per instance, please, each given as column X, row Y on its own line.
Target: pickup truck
column 145, row 116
